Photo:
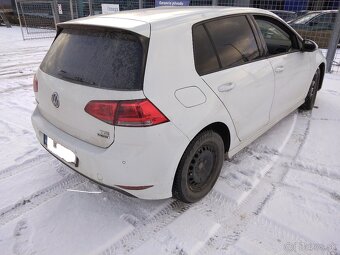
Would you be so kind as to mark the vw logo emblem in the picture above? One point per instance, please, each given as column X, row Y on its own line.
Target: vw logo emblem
column 55, row 99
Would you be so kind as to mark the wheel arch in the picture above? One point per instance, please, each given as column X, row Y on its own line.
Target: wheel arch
column 221, row 129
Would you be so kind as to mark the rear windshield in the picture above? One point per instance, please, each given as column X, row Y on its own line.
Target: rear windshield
column 98, row 58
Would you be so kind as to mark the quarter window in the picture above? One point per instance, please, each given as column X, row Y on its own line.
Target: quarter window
column 234, row 40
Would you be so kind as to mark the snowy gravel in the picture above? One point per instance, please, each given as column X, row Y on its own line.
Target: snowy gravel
column 280, row 195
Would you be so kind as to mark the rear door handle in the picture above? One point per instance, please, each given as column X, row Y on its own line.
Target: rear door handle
column 279, row 69
column 226, row 87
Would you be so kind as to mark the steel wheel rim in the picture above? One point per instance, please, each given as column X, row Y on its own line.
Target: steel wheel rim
column 313, row 87
column 201, row 167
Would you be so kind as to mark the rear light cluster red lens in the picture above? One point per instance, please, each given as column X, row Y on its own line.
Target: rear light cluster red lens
column 134, row 113
column 35, row 84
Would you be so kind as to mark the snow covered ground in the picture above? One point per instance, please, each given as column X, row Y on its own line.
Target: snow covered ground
column 280, row 195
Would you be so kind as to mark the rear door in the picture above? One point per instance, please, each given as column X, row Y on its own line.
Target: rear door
column 88, row 63
column 229, row 59
column 290, row 65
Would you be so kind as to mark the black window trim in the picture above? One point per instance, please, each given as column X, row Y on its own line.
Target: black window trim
column 257, row 37
column 286, row 29
column 213, row 46
column 142, row 39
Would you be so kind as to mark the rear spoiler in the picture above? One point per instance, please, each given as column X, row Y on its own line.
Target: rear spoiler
column 110, row 23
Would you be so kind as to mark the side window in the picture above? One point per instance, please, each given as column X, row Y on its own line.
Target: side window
column 205, row 57
column 234, row 40
column 324, row 21
column 278, row 41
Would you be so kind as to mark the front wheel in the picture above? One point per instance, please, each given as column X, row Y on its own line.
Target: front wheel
column 313, row 89
column 199, row 167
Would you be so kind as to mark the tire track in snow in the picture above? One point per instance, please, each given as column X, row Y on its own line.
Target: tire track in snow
column 26, row 50
column 237, row 222
column 273, row 180
column 40, row 197
column 27, row 164
column 250, row 208
column 308, row 116
column 279, row 239
column 14, row 128
column 151, row 227
column 22, row 234
column 16, row 74
column 146, row 229
column 15, row 88
column 17, row 65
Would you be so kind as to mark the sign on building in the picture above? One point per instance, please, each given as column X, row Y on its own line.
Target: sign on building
column 110, row 8
column 60, row 9
column 172, row 3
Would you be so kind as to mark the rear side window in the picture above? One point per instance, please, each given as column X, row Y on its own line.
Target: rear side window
column 205, row 57
column 234, row 40
column 97, row 58
column 324, row 21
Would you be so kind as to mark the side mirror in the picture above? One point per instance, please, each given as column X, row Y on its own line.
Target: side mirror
column 308, row 45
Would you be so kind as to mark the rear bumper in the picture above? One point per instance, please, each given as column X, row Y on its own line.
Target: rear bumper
column 138, row 157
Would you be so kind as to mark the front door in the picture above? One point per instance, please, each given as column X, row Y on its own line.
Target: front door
column 291, row 66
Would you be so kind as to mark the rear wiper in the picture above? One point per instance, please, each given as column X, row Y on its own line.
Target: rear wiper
column 73, row 77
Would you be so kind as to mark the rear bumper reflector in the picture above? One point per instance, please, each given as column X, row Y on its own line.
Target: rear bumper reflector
column 134, row 187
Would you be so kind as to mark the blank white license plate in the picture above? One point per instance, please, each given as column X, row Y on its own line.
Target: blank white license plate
column 60, row 151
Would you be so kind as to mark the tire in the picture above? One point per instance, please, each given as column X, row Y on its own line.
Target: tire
column 313, row 90
column 199, row 167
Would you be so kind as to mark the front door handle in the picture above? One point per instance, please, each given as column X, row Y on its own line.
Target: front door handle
column 226, row 87
column 279, row 69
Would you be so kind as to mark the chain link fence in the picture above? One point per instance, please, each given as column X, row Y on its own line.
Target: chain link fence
column 314, row 19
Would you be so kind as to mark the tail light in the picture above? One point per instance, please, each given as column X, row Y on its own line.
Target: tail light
column 35, row 84
column 134, row 113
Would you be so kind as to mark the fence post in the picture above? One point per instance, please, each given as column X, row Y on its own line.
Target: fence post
column 140, row 4
column 71, row 9
column 55, row 12
column 22, row 32
column 214, row 2
column 333, row 43
column 91, row 7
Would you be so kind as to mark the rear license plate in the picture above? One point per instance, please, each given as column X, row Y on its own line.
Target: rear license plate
column 60, row 151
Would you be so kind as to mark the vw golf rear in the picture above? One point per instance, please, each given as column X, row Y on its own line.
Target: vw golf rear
column 92, row 113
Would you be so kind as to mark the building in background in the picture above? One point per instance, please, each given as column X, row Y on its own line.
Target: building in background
column 6, row 5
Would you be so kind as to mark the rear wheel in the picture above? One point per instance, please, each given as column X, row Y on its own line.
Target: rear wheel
column 199, row 167
column 313, row 89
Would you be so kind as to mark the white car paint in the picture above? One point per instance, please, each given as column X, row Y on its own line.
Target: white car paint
column 248, row 99
column 293, row 75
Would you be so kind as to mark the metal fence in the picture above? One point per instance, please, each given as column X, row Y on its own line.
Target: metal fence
column 37, row 18
column 313, row 19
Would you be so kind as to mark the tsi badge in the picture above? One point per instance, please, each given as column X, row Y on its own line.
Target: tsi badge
column 104, row 134
column 55, row 99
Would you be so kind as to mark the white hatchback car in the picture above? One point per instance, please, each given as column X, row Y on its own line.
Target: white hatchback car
column 151, row 102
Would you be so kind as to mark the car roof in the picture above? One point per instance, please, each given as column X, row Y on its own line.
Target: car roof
column 182, row 13
column 282, row 11
column 177, row 14
column 139, row 20
column 324, row 11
